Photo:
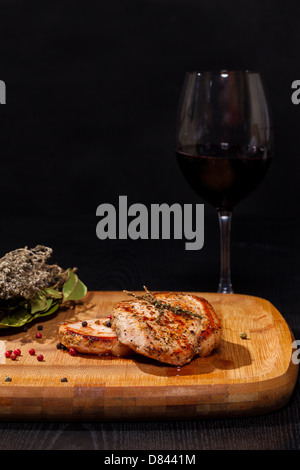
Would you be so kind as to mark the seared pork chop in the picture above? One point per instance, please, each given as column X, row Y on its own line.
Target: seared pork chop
column 168, row 327
column 93, row 338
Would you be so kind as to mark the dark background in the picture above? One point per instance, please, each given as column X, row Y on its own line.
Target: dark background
column 92, row 94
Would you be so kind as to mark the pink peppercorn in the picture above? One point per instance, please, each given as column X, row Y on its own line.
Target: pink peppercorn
column 40, row 357
column 31, row 352
column 7, row 353
column 13, row 356
column 72, row 351
column 17, row 352
column 38, row 335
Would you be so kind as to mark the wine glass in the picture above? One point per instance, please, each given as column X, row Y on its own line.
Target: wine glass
column 224, row 143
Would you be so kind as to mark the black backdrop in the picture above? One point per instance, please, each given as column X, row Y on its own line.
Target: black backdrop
column 92, row 93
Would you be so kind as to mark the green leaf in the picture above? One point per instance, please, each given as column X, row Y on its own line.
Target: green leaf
column 73, row 289
column 18, row 318
column 38, row 303
column 53, row 293
column 53, row 306
column 15, row 313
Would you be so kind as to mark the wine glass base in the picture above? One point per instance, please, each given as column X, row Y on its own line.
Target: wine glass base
column 225, row 289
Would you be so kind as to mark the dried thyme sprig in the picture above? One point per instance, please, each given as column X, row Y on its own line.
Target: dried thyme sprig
column 30, row 287
column 24, row 272
column 160, row 305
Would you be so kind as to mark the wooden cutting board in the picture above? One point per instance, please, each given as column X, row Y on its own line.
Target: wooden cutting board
column 244, row 377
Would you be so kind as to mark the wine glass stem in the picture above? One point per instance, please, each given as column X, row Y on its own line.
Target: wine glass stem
column 225, row 285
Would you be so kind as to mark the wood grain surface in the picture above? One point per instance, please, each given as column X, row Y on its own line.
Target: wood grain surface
column 242, row 377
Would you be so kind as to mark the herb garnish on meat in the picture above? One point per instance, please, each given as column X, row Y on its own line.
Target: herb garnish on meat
column 160, row 305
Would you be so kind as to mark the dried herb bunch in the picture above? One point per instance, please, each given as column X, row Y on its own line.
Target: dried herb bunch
column 160, row 305
column 24, row 272
column 30, row 287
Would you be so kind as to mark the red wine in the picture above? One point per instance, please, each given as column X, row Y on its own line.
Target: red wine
column 224, row 177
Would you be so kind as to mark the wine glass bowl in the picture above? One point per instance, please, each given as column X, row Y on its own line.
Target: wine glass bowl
column 223, row 143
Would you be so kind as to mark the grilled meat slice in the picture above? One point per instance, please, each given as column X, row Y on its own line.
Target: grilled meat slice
column 94, row 338
column 164, row 334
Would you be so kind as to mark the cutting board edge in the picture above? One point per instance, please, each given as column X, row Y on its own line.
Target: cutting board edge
column 197, row 402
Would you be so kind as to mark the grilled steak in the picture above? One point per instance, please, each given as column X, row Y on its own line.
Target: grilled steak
column 168, row 327
column 94, row 338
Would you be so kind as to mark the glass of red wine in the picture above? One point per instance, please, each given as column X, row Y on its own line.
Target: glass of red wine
column 224, row 143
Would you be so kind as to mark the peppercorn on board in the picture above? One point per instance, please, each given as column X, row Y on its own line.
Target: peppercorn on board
column 251, row 372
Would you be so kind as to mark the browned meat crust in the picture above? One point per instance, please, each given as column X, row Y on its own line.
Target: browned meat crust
column 171, row 337
column 94, row 338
